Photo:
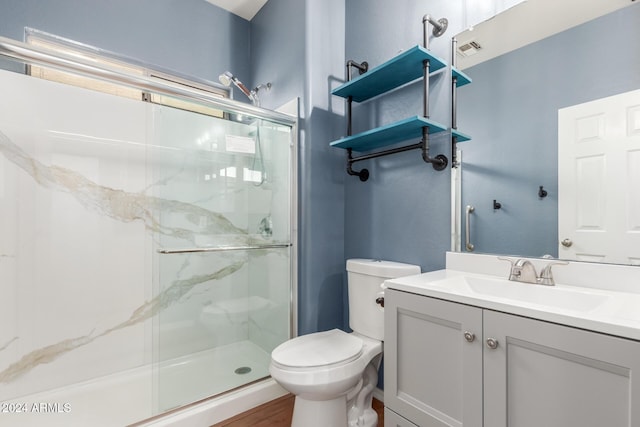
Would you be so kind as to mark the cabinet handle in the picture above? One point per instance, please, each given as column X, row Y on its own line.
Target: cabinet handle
column 469, row 336
column 492, row 343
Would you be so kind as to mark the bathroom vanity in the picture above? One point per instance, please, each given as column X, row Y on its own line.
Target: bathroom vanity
column 466, row 347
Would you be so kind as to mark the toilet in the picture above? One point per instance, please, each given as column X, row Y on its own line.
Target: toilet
column 333, row 374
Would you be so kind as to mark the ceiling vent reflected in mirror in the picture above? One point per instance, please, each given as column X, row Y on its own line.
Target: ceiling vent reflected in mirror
column 469, row 48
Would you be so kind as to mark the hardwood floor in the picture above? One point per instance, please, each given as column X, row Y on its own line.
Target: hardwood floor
column 278, row 413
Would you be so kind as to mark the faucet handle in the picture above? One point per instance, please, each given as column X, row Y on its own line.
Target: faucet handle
column 513, row 262
column 522, row 270
column 546, row 276
column 513, row 275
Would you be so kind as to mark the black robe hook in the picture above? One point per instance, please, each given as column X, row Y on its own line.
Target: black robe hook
column 542, row 193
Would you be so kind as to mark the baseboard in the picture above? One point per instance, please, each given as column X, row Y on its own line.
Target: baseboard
column 378, row 394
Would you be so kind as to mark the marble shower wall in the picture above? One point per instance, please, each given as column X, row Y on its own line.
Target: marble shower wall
column 91, row 185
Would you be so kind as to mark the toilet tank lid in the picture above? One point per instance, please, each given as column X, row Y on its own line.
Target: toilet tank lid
column 379, row 268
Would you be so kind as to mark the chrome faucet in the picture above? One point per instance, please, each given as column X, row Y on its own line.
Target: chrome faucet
column 524, row 271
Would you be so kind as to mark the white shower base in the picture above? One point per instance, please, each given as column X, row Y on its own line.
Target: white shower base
column 132, row 396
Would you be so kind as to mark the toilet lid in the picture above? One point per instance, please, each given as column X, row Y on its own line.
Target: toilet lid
column 318, row 349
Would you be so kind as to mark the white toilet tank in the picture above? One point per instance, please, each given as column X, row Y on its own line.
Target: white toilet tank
column 364, row 278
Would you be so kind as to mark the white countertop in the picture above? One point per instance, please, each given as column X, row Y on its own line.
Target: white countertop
column 608, row 311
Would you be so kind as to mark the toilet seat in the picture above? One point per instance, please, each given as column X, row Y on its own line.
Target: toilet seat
column 318, row 349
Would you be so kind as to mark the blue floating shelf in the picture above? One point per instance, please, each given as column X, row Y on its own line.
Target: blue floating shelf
column 461, row 137
column 463, row 79
column 389, row 134
column 404, row 68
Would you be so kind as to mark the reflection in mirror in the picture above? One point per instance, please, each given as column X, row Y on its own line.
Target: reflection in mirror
column 584, row 55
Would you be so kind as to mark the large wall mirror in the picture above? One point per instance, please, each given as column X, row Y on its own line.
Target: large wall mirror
column 556, row 88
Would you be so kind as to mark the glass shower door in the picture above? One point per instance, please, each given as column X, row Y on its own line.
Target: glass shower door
column 222, row 265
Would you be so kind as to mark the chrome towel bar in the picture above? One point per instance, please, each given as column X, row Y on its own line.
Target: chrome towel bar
column 224, row 248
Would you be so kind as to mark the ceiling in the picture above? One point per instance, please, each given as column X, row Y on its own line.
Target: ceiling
column 246, row 9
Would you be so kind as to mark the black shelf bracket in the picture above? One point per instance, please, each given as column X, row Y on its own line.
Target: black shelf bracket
column 362, row 68
column 363, row 174
column 438, row 162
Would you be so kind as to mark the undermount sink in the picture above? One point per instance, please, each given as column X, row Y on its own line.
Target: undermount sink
column 566, row 298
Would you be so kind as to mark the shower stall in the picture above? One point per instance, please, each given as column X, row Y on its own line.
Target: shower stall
column 147, row 244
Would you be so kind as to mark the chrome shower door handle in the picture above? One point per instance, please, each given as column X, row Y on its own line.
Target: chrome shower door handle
column 468, row 245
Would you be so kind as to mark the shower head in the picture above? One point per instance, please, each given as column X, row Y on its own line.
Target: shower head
column 227, row 78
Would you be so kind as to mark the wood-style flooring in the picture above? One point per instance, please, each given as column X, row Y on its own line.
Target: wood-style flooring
column 278, row 413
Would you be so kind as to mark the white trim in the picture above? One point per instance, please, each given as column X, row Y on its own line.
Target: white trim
column 216, row 410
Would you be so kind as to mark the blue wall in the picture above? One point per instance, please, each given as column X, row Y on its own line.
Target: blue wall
column 514, row 148
column 300, row 45
column 402, row 213
column 191, row 37
column 277, row 50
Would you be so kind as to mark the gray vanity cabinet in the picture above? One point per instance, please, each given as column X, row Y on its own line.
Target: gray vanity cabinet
column 449, row 364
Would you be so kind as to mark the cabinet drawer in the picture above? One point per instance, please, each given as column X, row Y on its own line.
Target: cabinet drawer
column 391, row 419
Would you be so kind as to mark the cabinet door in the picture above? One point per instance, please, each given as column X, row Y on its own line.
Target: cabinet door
column 543, row 374
column 432, row 375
